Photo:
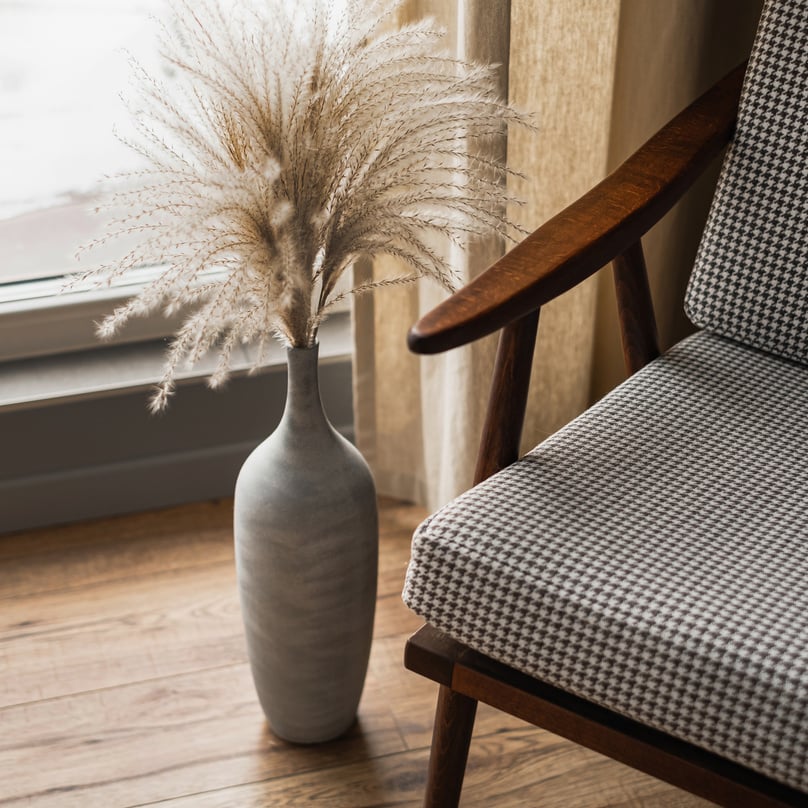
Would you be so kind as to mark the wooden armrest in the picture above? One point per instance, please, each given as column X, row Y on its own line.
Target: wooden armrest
column 592, row 231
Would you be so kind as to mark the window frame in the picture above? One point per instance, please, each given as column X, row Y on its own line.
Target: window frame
column 38, row 319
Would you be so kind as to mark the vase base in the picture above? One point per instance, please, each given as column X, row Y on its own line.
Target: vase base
column 312, row 737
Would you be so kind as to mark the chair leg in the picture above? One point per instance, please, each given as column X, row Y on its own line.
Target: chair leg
column 451, row 736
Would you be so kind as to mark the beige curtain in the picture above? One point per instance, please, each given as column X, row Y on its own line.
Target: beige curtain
column 669, row 52
column 600, row 76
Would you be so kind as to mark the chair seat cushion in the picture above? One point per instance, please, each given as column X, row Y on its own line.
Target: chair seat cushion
column 652, row 556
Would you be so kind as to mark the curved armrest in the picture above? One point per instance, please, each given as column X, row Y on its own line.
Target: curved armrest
column 592, row 231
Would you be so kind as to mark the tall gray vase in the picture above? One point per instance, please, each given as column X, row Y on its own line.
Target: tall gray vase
column 306, row 530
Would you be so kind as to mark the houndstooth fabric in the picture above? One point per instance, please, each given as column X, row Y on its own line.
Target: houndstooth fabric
column 652, row 556
column 750, row 280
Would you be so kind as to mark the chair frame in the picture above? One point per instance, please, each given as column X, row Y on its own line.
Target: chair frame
column 603, row 226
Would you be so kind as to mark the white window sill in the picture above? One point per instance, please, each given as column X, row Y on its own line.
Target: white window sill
column 128, row 368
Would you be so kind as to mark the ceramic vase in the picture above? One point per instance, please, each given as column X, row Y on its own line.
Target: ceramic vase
column 306, row 533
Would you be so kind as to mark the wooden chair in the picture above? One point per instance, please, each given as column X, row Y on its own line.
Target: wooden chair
column 638, row 582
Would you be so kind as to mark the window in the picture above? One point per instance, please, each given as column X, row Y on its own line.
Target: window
column 63, row 66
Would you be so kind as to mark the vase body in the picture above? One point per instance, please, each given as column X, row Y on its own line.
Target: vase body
column 306, row 533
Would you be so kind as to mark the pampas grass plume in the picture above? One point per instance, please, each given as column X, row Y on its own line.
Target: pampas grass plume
column 291, row 141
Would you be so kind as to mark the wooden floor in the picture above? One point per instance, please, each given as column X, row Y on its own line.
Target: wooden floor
column 123, row 682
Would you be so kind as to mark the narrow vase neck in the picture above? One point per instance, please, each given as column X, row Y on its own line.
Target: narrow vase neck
column 304, row 408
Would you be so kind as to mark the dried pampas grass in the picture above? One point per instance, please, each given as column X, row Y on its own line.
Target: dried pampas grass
column 291, row 141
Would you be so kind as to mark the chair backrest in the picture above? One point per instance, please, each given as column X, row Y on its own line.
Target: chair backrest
column 750, row 281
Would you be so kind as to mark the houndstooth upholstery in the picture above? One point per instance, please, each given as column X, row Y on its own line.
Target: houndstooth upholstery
column 750, row 280
column 678, row 595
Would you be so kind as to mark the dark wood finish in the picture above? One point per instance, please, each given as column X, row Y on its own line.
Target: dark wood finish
column 635, row 309
column 505, row 416
column 588, row 234
column 451, row 737
column 483, row 679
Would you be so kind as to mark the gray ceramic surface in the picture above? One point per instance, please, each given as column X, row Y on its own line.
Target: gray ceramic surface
column 306, row 531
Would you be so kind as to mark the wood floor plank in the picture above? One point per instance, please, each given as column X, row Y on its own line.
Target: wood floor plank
column 118, row 632
column 139, row 743
column 124, row 678
column 514, row 769
column 532, row 767
column 147, row 625
column 108, row 549
column 171, row 538
column 134, row 630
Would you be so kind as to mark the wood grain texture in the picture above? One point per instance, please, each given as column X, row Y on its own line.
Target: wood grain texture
column 86, row 553
column 635, row 309
column 592, row 231
column 510, row 383
column 124, row 683
column 489, row 681
column 454, row 724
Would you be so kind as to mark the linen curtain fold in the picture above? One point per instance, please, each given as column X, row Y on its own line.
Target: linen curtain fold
column 580, row 67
